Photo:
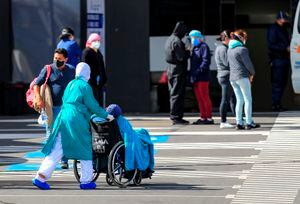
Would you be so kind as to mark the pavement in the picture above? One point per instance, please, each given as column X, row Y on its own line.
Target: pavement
column 194, row 164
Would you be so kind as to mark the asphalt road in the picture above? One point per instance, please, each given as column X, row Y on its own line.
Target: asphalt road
column 194, row 164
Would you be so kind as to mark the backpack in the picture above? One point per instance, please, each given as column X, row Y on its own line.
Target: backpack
column 30, row 92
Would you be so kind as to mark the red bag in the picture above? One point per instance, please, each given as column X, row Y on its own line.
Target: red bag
column 30, row 92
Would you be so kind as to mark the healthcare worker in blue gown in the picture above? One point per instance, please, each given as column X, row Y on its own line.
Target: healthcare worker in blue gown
column 71, row 134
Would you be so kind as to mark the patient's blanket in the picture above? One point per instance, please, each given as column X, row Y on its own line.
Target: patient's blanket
column 139, row 149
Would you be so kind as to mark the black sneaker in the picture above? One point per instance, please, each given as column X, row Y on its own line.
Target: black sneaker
column 200, row 122
column 240, row 127
column 209, row 122
column 278, row 108
column 251, row 126
column 64, row 165
column 180, row 122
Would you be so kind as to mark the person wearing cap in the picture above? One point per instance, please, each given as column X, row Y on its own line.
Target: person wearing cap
column 94, row 58
column 241, row 76
column 223, row 71
column 176, row 56
column 67, row 41
column 71, row 134
column 278, row 39
column 200, row 76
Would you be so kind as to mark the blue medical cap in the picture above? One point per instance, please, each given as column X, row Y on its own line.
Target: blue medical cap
column 114, row 110
column 196, row 33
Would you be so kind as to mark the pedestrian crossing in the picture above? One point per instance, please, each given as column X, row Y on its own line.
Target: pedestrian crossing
column 168, row 140
column 34, row 157
column 275, row 177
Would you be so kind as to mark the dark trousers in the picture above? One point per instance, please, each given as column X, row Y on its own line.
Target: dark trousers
column 228, row 98
column 176, row 84
column 98, row 94
column 279, row 77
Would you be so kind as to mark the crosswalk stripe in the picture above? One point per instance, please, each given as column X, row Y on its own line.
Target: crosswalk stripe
column 275, row 177
column 158, row 173
column 223, row 133
column 210, row 145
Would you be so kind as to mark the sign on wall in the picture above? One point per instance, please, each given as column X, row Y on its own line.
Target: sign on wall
column 95, row 20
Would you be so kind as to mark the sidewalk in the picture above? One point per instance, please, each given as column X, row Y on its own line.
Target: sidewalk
column 275, row 176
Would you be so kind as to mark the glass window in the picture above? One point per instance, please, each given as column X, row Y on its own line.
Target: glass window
column 36, row 27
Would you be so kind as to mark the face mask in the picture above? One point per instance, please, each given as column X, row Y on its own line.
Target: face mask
column 195, row 42
column 59, row 63
column 96, row 44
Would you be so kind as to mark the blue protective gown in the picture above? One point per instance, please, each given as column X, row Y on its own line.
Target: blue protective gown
column 73, row 121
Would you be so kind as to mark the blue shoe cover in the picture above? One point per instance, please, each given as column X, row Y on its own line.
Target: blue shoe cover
column 40, row 185
column 86, row 186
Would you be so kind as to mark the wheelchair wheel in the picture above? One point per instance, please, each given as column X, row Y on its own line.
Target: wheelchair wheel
column 109, row 181
column 77, row 170
column 138, row 178
column 116, row 166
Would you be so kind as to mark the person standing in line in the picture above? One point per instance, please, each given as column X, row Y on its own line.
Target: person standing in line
column 67, row 41
column 223, row 71
column 71, row 134
column 176, row 57
column 94, row 58
column 200, row 76
column 241, row 77
column 61, row 75
column 279, row 52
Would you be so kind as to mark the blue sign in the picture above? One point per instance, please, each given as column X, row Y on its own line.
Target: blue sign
column 94, row 20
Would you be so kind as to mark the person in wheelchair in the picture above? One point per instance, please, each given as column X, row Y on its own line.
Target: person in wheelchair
column 71, row 134
column 139, row 149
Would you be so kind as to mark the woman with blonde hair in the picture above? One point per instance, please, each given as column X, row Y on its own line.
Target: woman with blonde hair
column 241, row 76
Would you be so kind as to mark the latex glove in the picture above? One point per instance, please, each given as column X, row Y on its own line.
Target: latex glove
column 110, row 118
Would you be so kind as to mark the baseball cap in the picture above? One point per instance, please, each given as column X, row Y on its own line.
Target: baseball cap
column 283, row 15
column 223, row 35
column 66, row 32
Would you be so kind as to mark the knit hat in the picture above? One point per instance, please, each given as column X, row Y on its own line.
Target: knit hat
column 93, row 37
column 83, row 70
column 114, row 110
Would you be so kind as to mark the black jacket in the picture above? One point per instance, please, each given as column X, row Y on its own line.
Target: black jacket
column 96, row 63
column 175, row 50
column 278, row 41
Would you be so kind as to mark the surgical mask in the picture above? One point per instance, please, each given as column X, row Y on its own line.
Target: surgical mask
column 96, row 44
column 195, row 42
column 58, row 63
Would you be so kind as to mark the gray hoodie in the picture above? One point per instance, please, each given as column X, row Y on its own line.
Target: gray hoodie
column 221, row 60
column 239, row 61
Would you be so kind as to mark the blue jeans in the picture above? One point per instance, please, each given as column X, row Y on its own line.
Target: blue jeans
column 227, row 99
column 242, row 91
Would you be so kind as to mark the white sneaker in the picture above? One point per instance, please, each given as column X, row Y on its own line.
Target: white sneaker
column 226, row 125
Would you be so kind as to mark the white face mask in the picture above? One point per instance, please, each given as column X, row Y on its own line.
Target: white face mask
column 96, row 44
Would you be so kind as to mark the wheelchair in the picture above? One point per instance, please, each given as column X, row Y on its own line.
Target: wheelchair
column 109, row 156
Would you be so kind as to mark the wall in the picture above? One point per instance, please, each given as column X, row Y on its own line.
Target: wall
column 127, row 54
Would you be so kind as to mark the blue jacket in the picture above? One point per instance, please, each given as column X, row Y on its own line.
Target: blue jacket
column 57, row 81
column 278, row 40
column 200, row 62
column 74, row 51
